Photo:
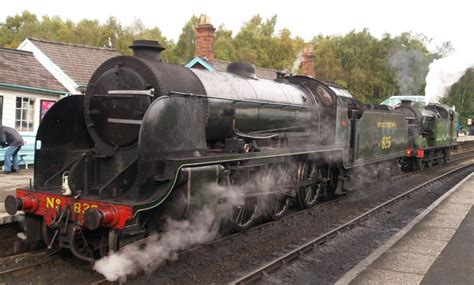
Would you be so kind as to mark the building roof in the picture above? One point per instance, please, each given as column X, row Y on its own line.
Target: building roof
column 395, row 100
column 77, row 61
column 221, row 65
column 20, row 68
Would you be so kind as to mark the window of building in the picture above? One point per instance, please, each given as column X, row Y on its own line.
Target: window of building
column 25, row 110
column 45, row 105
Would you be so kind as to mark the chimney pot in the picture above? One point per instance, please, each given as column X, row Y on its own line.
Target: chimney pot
column 205, row 39
column 308, row 60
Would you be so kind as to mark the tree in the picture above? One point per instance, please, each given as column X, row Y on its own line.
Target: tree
column 185, row 47
column 373, row 69
column 224, row 44
column 17, row 28
column 461, row 96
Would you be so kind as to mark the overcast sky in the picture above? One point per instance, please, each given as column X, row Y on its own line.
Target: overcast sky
column 439, row 20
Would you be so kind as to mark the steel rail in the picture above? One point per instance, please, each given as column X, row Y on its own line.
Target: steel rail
column 308, row 246
column 46, row 256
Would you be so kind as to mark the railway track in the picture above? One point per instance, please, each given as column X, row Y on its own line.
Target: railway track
column 25, row 262
column 300, row 250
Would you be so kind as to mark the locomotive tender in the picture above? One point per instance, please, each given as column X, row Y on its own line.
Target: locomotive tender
column 148, row 138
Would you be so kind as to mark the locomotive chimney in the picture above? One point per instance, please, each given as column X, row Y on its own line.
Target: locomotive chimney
column 147, row 49
column 308, row 60
column 205, row 39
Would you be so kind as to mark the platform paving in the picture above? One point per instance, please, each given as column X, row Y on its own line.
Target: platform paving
column 465, row 138
column 437, row 250
column 8, row 184
column 455, row 265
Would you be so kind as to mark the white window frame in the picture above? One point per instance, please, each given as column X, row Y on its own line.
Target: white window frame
column 26, row 114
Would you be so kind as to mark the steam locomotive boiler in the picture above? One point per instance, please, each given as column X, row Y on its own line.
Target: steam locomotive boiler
column 149, row 138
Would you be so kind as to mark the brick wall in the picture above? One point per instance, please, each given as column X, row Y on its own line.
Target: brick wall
column 308, row 61
column 205, row 41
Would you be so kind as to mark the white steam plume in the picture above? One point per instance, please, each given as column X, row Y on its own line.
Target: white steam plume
column 179, row 235
column 297, row 62
column 409, row 66
column 444, row 72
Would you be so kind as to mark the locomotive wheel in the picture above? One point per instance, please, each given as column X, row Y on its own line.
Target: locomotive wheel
column 420, row 165
column 47, row 235
column 109, row 242
column 445, row 155
column 309, row 195
column 278, row 204
column 279, row 207
column 333, row 179
column 429, row 163
column 245, row 215
column 429, row 160
column 113, row 240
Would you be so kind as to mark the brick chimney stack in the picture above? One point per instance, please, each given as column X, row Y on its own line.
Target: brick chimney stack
column 205, row 39
column 308, row 61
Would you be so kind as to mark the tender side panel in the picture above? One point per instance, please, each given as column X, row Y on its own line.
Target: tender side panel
column 379, row 135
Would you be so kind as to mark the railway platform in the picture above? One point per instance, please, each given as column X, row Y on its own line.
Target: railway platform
column 435, row 248
column 465, row 138
column 8, row 184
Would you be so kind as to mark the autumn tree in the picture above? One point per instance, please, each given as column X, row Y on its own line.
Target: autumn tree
column 185, row 47
column 461, row 95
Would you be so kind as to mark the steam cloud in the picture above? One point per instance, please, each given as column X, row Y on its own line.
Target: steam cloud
column 180, row 235
column 444, row 72
column 297, row 62
column 409, row 65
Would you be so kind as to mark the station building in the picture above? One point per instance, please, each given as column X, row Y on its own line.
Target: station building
column 71, row 64
column 27, row 91
column 35, row 76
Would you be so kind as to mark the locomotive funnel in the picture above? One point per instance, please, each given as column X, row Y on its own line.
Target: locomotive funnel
column 147, row 49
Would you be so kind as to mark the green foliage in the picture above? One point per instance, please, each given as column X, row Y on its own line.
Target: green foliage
column 258, row 42
column 185, row 47
column 371, row 68
column 89, row 32
column 223, row 44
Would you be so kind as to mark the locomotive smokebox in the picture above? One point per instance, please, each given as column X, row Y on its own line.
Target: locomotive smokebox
column 147, row 49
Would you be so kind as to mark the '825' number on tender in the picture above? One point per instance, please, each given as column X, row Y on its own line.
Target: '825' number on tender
column 386, row 142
